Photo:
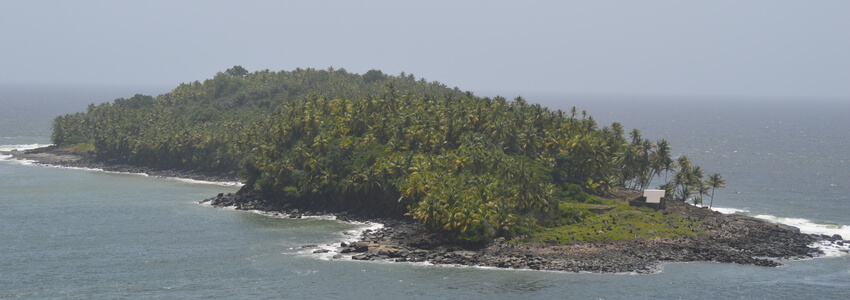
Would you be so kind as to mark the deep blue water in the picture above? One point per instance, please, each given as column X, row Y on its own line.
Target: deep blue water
column 80, row 234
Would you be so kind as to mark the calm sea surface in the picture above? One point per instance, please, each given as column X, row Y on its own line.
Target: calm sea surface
column 82, row 234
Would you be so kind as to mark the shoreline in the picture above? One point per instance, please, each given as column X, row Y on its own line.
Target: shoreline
column 732, row 239
column 55, row 156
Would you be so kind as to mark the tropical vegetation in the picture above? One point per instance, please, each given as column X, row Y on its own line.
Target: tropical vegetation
column 469, row 167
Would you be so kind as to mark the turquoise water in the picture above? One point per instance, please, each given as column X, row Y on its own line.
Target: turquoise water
column 81, row 234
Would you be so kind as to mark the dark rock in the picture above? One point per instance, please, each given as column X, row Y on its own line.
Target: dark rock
column 731, row 238
column 364, row 246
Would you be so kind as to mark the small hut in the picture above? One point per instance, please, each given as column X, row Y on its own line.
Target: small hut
column 651, row 198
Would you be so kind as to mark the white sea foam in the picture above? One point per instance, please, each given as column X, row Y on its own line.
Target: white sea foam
column 222, row 183
column 831, row 249
column 5, row 149
column 809, row 227
column 347, row 237
column 806, row 226
column 35, row 163
column 275, row 214
column 320, row 217
column 726, row 210
column 26, row 162
column 25, row 147
column 187, row 180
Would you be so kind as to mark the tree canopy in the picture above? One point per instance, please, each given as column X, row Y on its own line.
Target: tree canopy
column 469, row 167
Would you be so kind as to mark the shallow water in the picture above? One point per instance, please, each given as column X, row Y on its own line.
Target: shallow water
column 82, row 234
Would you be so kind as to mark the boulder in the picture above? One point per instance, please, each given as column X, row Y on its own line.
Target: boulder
column 390, row 252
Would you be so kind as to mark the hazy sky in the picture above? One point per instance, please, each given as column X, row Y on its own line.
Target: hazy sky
column 709, row 48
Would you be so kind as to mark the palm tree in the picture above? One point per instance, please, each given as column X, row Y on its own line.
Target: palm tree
column 661, row 159
column 701, row 189
column 715, row 181
column 462, row 165
column 681, row 180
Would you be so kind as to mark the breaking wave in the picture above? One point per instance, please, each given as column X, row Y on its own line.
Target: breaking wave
column 25, row 147
column 806, row 226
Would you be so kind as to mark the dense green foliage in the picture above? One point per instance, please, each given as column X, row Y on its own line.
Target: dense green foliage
column 470, row 167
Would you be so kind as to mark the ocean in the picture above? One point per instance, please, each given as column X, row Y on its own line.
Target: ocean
column 87, row 234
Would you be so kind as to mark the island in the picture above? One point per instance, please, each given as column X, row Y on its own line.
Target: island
column 456, row 178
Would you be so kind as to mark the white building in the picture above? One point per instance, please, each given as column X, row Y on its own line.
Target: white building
column 653, row 196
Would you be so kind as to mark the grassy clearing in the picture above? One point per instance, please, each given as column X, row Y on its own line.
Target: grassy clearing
column 582, row 222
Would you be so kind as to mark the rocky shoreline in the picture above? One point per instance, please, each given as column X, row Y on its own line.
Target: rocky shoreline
column 731, row 239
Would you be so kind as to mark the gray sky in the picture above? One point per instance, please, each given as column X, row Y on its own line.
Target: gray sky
column 787, row 49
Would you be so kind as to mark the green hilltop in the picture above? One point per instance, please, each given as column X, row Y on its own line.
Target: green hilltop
column 471, row 168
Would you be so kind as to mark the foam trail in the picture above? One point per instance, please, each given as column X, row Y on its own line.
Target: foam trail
column 5, row 155
column 274, row 214
column 27, row 162
column 187, row 180
column 222, row 183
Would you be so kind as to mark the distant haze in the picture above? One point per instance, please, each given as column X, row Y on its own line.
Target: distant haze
column 769, row 49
